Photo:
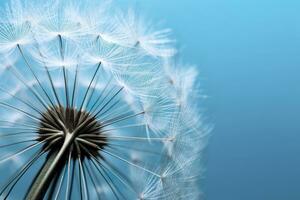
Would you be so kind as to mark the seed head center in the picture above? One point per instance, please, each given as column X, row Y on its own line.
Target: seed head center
column 58, row 124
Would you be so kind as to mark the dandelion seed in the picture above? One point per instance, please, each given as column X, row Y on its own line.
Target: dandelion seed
column 89, row 110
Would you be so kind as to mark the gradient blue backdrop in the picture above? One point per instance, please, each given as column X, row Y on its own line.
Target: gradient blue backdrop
column 249, row 54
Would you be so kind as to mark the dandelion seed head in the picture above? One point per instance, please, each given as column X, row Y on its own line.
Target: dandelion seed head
column 93, row 105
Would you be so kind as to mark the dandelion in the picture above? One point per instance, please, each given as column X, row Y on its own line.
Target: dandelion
column 91, row 107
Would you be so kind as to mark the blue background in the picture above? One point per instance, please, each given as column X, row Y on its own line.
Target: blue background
column 248, row 52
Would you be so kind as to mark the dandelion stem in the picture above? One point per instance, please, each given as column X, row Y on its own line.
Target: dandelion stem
column 53, row 165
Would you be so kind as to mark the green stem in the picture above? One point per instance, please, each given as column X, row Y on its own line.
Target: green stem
column 53, row 166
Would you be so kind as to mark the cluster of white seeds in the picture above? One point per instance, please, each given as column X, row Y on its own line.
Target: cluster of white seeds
column 95, row 97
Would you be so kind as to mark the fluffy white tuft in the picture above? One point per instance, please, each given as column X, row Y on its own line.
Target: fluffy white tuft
column 119, row 68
